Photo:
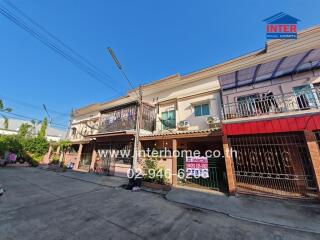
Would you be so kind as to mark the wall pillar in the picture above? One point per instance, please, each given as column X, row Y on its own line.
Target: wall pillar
column 58, row 150
column 46, row 158
column 314, row 155
column 93, row 159
column 76, row 165
column 231, row 178
column 174, row 162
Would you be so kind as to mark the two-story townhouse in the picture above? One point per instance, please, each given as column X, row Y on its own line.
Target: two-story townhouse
column 84, row 122
column 178, row 113
column 188, row 112
column 103, row 134
column 271, row 117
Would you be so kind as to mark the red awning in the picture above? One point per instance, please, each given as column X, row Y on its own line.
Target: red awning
column 288, row 124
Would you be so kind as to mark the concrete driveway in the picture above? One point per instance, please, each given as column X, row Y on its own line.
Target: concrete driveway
column 40, row 204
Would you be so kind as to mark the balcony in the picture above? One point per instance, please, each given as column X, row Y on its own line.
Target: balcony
column 124, row 118
column 269, row 104
column 80, row 130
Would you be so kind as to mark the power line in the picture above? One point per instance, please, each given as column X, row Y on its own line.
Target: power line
column 76, row 62
column 39, row 108
column 119, row 66
column 31, row 118
column 29, row 105
column 57, row 39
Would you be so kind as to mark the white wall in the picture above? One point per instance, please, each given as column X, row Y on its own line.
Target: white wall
column 183, row 90
column 8, row 132
column 77, row 123
column 186, row 110
column 183, row 98
column 49, row 138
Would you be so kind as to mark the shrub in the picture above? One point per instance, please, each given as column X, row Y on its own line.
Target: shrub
column 55, row 159
column 10, row 143
column 154, row 173
column 32, row 159
column 64, row 168
column 2, row 147
column 38, row 146
column 30, row 149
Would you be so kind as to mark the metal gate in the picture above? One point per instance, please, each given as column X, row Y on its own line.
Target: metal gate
column 216, row 179
column 274, row 165
column 86, row 156
column 111, row 155
column 317, row 135
column 105, row 163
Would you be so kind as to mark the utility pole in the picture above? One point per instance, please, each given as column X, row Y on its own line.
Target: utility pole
column 137, row 133
column 45, row 109
column 138, row 112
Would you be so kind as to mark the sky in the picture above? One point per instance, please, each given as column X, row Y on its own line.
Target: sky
column 152, row 40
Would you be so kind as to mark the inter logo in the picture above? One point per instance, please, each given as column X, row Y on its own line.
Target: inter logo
column 281, row 26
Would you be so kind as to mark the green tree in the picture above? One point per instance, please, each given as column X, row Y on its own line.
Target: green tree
column 64, row 145
column 5, row 110
column 42, row 131
column 33, row 124
column 24, row 130
column 37, row 146
column 10, row 143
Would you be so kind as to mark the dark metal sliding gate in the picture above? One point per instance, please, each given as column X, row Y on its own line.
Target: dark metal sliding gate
column 317, row 135
column 274, row 165
column 216, row 179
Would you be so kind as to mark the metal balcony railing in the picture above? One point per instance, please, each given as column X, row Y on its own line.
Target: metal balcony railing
column 125, row 119
column 265, row 104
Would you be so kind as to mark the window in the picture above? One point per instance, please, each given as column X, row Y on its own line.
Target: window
column 73, row 131
column 168, row 119
column 201, row 110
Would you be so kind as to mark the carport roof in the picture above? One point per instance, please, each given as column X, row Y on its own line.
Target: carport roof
column 287, row 65
column 181, row 134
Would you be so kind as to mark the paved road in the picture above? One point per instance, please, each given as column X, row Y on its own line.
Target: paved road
column 40, row 204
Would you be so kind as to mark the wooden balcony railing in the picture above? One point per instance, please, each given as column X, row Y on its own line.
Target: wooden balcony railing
column 266, row 104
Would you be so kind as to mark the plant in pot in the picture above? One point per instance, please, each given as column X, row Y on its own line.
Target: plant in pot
column 214, row 123
column 155, row 177
column 55, row 159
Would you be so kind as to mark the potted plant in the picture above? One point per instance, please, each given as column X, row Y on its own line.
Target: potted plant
column 214, row 123
column 155, row 177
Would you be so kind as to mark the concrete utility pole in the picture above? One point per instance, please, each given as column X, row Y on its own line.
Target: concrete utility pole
column 138, row 113
column 137, row 133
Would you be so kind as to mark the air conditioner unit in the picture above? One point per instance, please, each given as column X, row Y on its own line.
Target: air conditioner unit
column 184, row 123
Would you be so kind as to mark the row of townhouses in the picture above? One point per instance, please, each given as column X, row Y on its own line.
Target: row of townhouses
column 261, row 110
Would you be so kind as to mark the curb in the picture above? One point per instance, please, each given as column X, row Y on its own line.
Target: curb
column 80, row 179
column 247, row 219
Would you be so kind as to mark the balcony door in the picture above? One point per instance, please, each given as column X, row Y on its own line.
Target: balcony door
column 247, row 105
column 168, row 119
column 305, row 97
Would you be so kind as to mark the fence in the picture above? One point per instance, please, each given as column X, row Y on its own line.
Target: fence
column 269, row 103
column 275, row 165
column 216, row 179
column 317, row 135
